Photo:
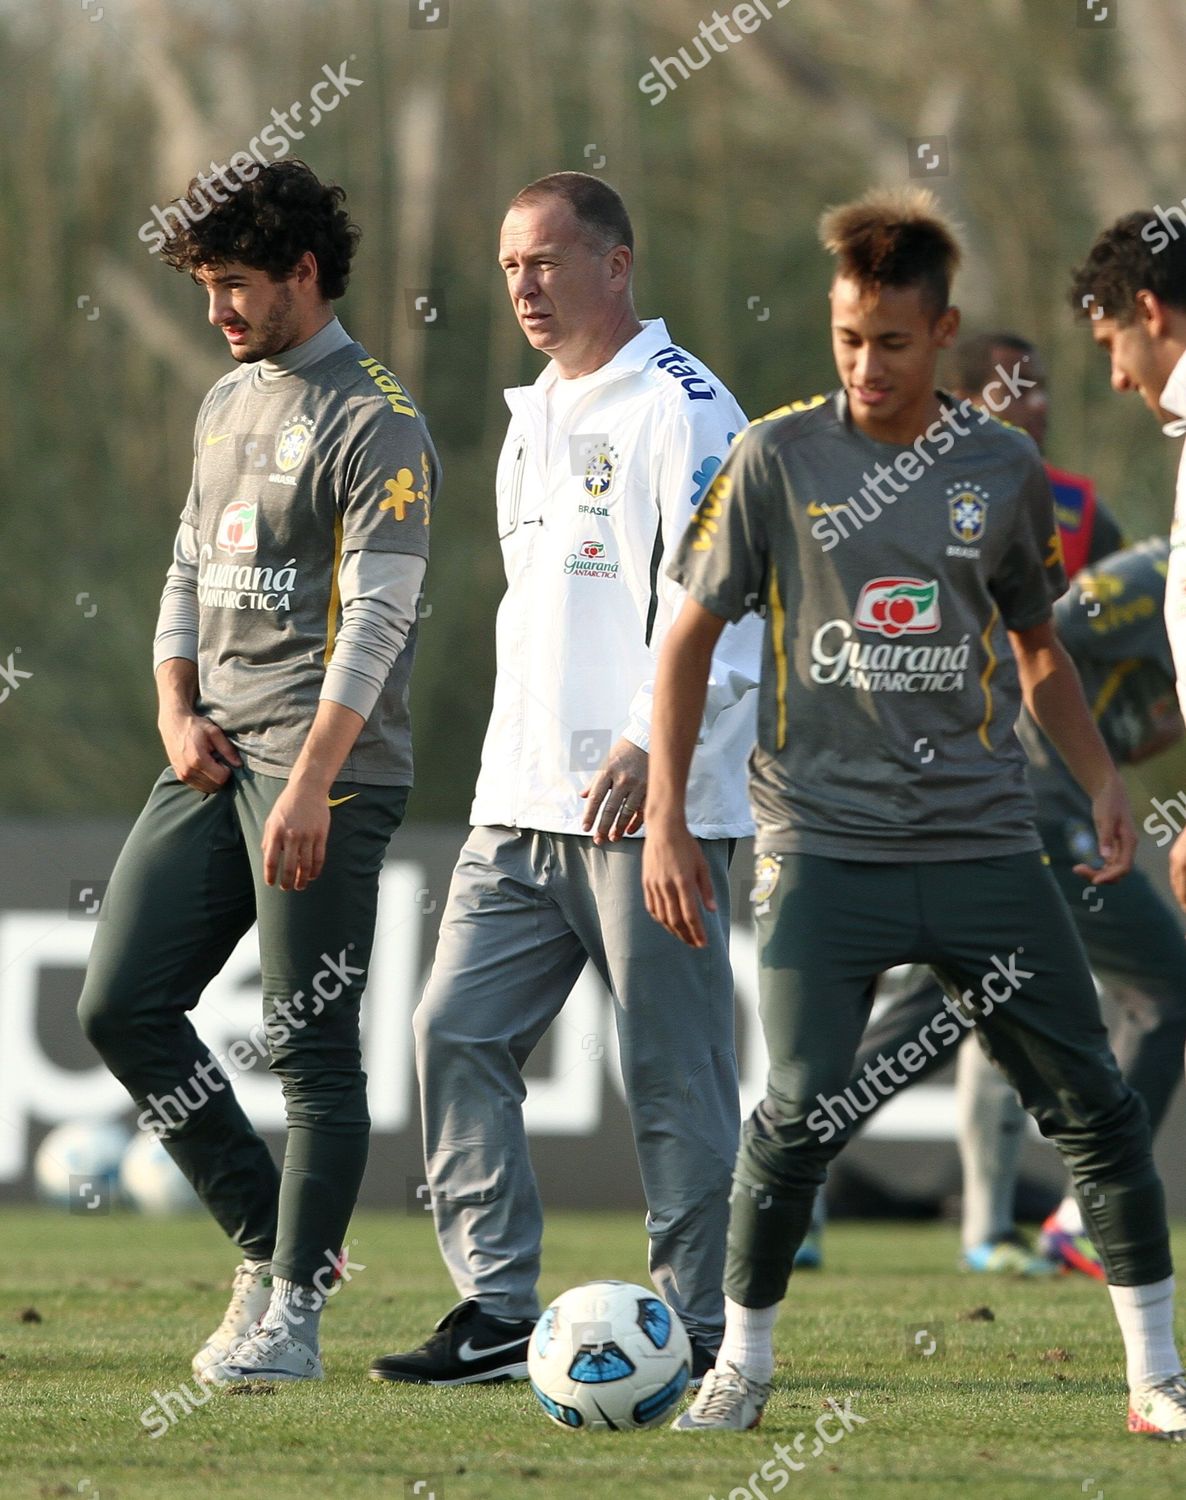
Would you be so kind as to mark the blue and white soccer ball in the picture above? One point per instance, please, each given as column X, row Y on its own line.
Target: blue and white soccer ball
column 151, row 1180
column 609, row 1355
column 77, row 1165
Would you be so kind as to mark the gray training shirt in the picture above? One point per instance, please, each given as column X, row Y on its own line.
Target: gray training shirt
column 1112, row 622
column 304, row 480
column 888, row 576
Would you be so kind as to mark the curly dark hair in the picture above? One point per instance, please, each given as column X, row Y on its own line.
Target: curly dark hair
column 268, row 223
column 1141, row 252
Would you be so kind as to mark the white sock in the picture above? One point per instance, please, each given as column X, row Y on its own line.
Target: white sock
column 749, row 1340
column 258, row 1267
column 298, row 1309
column 1069, row 1216
column 1146, row 1318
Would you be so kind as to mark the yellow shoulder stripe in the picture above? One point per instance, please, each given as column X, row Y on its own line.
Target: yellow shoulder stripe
column 790, row 409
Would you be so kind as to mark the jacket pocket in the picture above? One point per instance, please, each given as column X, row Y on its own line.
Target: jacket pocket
column 511, row 495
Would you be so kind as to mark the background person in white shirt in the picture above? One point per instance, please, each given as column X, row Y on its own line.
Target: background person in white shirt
column 606, row 456
column 1131, row 290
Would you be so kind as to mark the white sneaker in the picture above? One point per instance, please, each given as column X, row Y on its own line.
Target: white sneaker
column 1159, row 1410
column 727, row 1400
column 271, row 1353
column 251, row 1291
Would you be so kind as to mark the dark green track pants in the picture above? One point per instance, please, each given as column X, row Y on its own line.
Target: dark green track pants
column 1134, row 942
column 187, row 885
column 998, row 933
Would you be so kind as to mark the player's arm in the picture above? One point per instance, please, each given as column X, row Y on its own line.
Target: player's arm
column 385, row 485
column 297, row 828
column 675, row 875
column 380, row 594
column 1025, row 584
column 1054, row 696
column 199, row 752
column 721, row 562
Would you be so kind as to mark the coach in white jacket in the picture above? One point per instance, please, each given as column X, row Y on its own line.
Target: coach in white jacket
column 605, row 459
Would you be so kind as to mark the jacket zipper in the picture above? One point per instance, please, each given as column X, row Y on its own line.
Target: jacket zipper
column 517, row 485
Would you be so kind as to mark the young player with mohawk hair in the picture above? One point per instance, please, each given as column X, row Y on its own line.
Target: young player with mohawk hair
column 888, row 786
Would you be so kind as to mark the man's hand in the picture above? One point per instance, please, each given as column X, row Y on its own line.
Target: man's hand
column 675, row 881
column 295, row 836
column 1115, row 832
column 191, row 742
column 1178, row 869
column 615, row 798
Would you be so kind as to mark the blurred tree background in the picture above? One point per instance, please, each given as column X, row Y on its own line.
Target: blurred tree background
column 1051, row 119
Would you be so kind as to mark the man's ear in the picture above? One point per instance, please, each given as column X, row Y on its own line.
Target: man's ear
column 306, row 269
column 620, row 261
column 947, row 326
column 1152, row 313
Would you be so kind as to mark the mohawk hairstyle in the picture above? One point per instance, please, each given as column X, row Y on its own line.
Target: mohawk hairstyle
column 894, row 237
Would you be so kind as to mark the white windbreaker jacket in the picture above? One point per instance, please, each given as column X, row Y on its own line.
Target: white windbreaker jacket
column 587, row 529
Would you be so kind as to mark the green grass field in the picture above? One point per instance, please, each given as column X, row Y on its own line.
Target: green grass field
column 1027, row 1406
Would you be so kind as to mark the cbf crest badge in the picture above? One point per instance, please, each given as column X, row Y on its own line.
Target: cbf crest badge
column 767, row 868
column 294, row 438
column 601, row 471
column 967, row 508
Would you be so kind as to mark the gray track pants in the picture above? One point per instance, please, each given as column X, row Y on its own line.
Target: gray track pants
column 525, row 912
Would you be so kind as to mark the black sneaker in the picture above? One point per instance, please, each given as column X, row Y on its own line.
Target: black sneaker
column 468, row 1346
column 703, row 1360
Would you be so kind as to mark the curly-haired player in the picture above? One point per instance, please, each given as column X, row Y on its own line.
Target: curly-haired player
column 1131, row 291
column 283, row 654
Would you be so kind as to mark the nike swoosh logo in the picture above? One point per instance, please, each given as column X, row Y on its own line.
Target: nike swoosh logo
column 816, row 509
column 219, row 437
column 468, row 1353
column 334, row 801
